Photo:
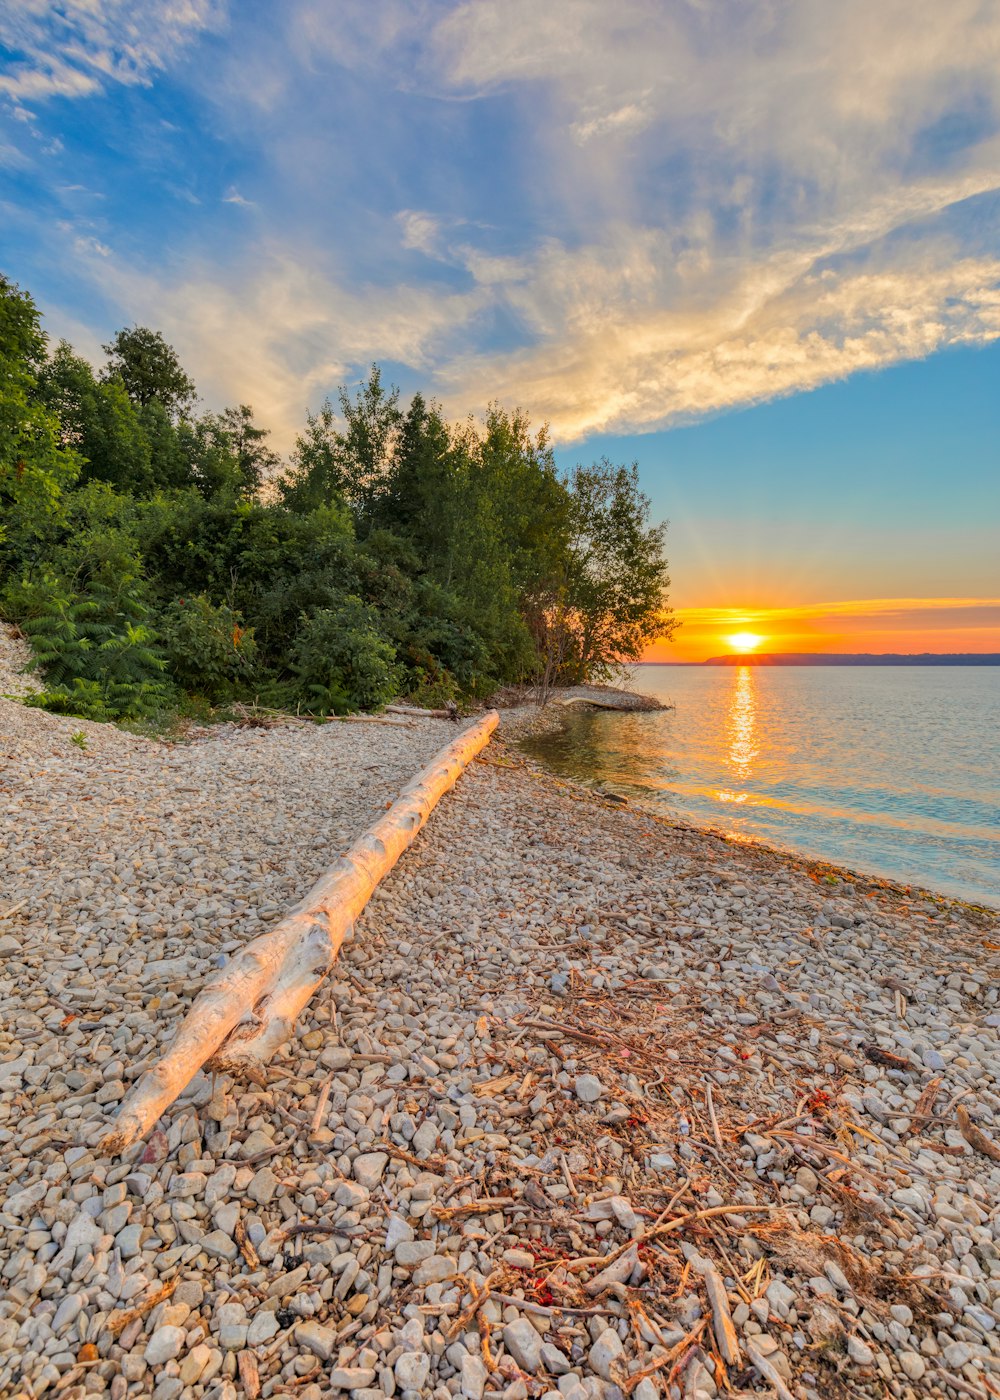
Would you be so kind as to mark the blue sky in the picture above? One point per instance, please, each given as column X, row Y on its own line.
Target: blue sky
column 755, row 247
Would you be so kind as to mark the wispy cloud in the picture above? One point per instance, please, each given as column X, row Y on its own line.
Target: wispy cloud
column 78, row 48
column 631, row 215
column 271, row 332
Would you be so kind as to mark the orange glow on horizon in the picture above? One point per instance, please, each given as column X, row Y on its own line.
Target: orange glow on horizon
column 900, row 625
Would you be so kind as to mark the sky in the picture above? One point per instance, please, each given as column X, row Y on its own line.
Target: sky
column 754, row 246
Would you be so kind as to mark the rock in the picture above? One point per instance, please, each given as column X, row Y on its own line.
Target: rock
column 164, row 1345
column 320, row 1340
column 524, row 1344
column 263, row 1187
column 336, row 1057
column 398, row 1232
column 473, row 1377
column 436, row 1269
column 263, row 1326
column 859, row 1352
column 913, row 1365
column 588, row 1088
column 351, row 1194
column 220, row 1245
column 605, row 1352
column 369, row 1168
column 553, row 1360
column 411, row 1370
column 412, row 1252
column 351, row 1377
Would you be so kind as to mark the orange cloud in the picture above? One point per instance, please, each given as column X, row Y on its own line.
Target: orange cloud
column 907, row 625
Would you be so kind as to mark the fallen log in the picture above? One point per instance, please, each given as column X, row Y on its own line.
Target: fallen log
column 449, row 712
column 622, row 706
column 249, row 1008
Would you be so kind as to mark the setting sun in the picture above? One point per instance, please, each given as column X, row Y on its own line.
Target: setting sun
column 744, row 641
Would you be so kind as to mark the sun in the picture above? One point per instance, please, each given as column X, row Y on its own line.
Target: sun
column 744, row 641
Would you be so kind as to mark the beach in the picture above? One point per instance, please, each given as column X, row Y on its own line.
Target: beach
column 613, row 1106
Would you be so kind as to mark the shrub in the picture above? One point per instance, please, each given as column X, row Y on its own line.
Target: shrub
column 208, row 650
column 95, row 650
column 342, row 662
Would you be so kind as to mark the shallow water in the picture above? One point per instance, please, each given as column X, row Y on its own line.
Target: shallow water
column 890, row 771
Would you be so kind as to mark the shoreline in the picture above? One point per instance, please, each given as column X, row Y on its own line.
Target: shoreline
column 561, row 1021
column 522, row 721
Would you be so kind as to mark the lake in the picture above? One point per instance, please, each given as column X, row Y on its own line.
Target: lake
column 891, row 771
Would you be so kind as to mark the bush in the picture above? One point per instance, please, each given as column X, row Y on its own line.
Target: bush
column 208, row 650
column 95, row 650
column 342, row 662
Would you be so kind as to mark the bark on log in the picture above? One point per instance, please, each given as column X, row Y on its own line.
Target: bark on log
column 249, row 1008
column 450, row 713
column 623, row 706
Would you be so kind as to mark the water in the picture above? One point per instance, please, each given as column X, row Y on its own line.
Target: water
column 890, row 771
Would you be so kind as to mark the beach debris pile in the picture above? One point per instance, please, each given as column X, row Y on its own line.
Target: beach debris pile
column 590, row 1107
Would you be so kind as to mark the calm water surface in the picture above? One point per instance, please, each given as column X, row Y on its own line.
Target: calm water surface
column 888, row 770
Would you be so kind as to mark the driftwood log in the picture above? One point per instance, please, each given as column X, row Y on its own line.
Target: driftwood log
column 623, row 706
column 449, row 712
column 249, row 1008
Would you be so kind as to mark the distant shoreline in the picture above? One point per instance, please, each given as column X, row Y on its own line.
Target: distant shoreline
column 819, row 658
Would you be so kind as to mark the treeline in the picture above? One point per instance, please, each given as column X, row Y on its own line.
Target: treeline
column 157, row 557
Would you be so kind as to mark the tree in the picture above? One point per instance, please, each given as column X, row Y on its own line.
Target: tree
column 246, row 442
column 612, row 601
column 100, row 421
column 37, row 466
column 149, row 369
column 373, row 419
column 316, row 476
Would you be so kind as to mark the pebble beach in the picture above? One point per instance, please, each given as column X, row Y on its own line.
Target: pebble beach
column 592, row 1106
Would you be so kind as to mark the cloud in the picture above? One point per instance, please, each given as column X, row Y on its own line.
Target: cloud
column 632, row 215
column 82, row 46
column 233, row 196
column 272, row 333
column 753, row 151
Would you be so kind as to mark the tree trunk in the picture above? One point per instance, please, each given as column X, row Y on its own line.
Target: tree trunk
column 249, row 1008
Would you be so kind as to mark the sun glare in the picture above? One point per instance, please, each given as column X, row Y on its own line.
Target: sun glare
column 744, row 641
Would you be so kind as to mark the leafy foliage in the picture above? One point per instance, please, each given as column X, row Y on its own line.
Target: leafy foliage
column 149, row 370
column 342, row 662
column 207, row 648
column 153, row 554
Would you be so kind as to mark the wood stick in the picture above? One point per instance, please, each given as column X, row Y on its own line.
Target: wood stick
column 249, row 1008
column 975, row 1137
column 722, row 1321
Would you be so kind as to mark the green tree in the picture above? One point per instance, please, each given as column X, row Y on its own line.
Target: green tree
column 372, row 419
column 149, row 369
column 247, row 444
column 612, row 602
column 316, row 476
column 99, row 420
column 37, row 466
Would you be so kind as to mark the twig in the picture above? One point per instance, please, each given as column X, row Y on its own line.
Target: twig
column 324, row 1097
column 975, row 1137
column 711, row 1113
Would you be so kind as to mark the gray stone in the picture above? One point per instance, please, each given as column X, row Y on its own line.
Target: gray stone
column 164, row 1345
column 524, row 1344
column 473, row 1376
column 263, row 1187
column 220, row 1245
column 351, row 1377
column 605, row 1352
column 436, row 1269
column 369, row 1168
column 411, row 1370
column 320, row 1340
column 588, row 1088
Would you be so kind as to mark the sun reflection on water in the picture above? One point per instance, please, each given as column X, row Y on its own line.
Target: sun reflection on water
column 741, row 731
